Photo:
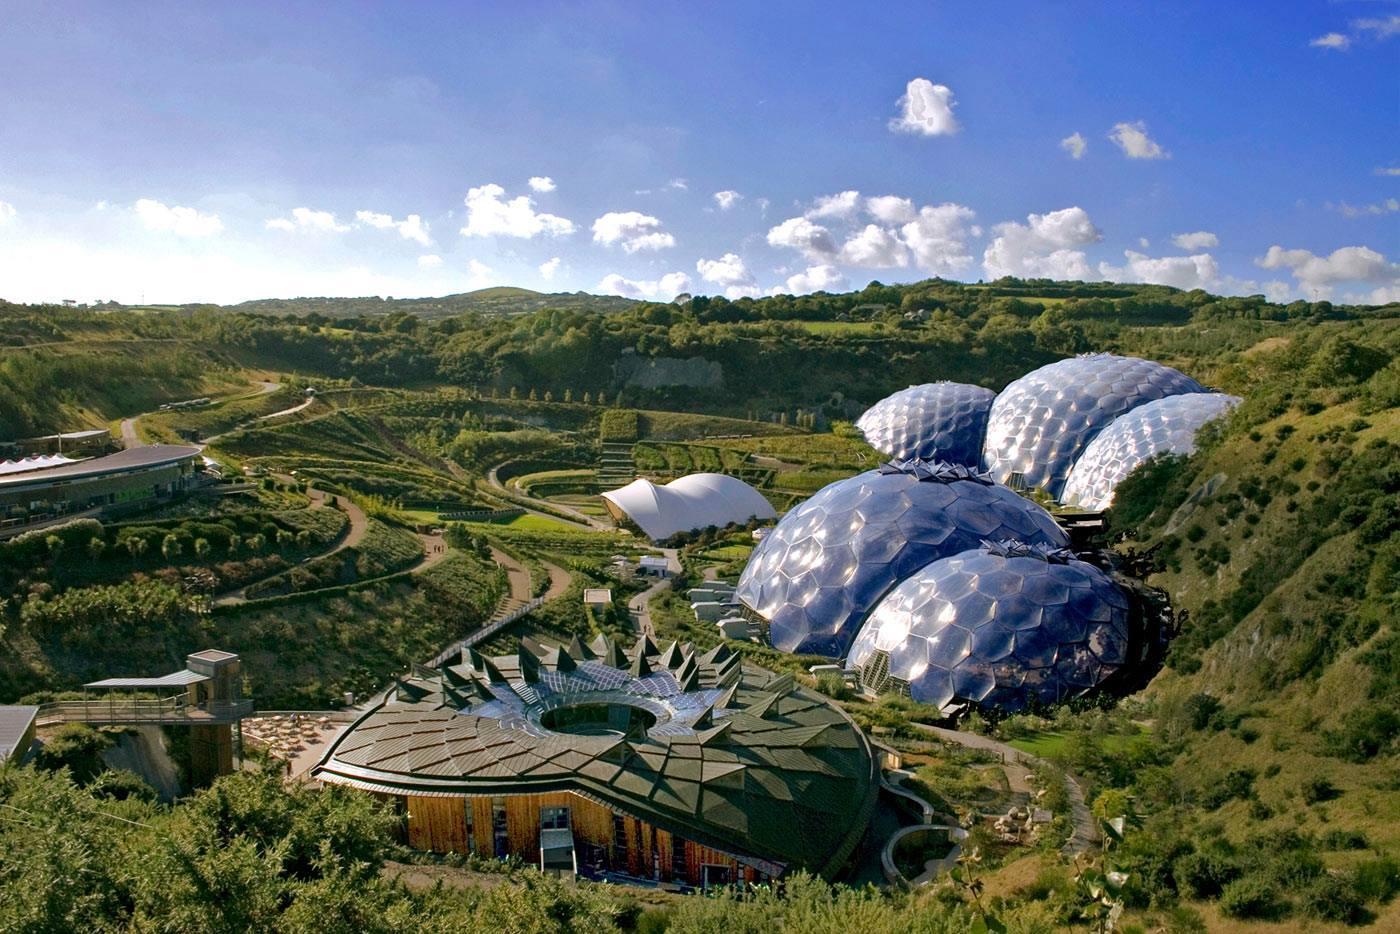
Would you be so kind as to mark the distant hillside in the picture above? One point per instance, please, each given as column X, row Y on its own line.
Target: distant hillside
column 497, row 300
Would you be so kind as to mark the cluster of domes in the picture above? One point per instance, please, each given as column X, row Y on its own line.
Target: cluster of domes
column 817, row 574
column 1001, row 626
column 936, row 421
column 895, row 569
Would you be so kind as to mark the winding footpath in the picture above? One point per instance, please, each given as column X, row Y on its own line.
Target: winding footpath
column 1085, row 835
column 542, row 508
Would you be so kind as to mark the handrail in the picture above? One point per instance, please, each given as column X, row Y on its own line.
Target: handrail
column 166, row 710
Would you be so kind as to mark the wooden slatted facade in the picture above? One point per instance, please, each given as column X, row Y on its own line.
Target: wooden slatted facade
column 603, row 838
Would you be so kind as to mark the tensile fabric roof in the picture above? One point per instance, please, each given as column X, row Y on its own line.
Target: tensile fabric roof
column 695, row 501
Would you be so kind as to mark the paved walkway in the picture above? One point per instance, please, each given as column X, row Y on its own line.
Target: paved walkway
column 130, row 438
column 1085, row 835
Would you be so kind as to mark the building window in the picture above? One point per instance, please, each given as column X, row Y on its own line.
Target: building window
column 678, row 867
column 554, row 818
column 712, row 875
column 500, row 829
column 619, row 840
column 471, row 836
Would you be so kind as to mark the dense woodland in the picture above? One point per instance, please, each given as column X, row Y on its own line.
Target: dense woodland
column 1262, row 764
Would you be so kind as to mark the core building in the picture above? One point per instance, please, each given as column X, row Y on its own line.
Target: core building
column 674, row 766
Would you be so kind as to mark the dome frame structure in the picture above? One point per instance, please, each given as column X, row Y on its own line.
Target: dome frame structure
column 1041, row 423
column 692, row 502
column 1007, row 625
column 817, row 574
column 1164, row 426
column 940, row 421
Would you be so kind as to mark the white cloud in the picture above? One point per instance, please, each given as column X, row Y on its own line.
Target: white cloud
column 667, row 287
column 926, row 109
column 410, row 228
column 1316, row 275
column 798, row 233
column 1198, row 240
column 727, row 199
column 1385, row 295
column 308, row 220
column 633, row 230
column 1376, row 209
column 673, row 284
column 489, row 215
column 876, row 248
column 729, row 269
column 480, row 274
column 821, row 278
column 1132, row 138
column 1370, row 28
column 1043, row 247
column 430, row 261
column 548, row 268
column 1144, row 242
column 1386, row 170
column 1075, row 144
column 1276, row 290
column 7, row 212
column 1333, row 40
column 841, row 204
column 181, row 221
column 938, row 238
column 1199, row 271
column 678, row 184
column 541, row 183
column 890, row 209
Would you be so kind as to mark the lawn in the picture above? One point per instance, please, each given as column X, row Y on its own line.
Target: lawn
column 532, row 523
column 839, row 327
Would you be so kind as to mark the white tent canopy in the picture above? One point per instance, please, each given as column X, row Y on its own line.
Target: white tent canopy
column 694, row 501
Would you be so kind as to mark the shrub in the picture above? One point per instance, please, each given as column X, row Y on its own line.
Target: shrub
column 1315, row 790
column 76, row 747
column 1331, row 898
column 1204, row 874
column 1252, row 897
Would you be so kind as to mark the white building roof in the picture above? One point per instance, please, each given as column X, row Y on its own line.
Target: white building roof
column 691, row 502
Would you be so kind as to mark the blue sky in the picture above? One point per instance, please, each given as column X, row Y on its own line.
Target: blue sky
column 222, row 152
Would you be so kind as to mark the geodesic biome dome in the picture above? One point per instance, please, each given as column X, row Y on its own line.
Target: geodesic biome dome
column 1165, row 426
column 828, row 561
column 1041, row 423
column 998, row 627
column 935, row 421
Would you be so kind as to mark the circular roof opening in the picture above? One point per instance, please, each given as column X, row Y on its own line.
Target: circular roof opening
column 599, row 719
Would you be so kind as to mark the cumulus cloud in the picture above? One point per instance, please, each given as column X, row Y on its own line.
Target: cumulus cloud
column 549, row 267
column 489, row 214
column 541, row 183
column 480, row 275
column 667, row 287
column 1199, row 271
column 728, row 270
column 410, row 228
column 813, row 240
column 1376, row 209
column 841, row 204
column 926, row 109
column 633, row 230
column 7, row 212
column 938, row 238
column 876, row 248
column 1376, row 29
column 1316, row 275
column 1332, row 40
column 1075, row 144
column 181, row 221
column 1198, row 240
column 429, row 261
column 307, row 220
column 821, row 278
column 1132, row 138
column 1043, row 247
column 727, row 199
column 890, row 209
